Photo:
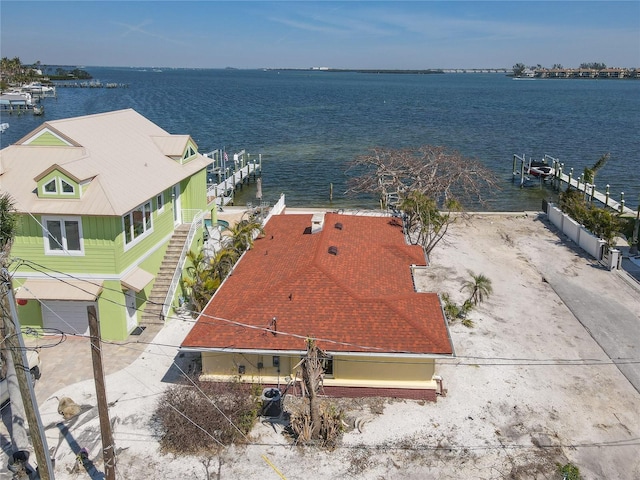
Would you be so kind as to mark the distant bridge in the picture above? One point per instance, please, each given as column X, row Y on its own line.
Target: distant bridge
column 477, row 70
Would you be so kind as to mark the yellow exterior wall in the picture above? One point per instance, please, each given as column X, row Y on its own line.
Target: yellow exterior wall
column 387, row 369
column 225, row 364
column 347, row 370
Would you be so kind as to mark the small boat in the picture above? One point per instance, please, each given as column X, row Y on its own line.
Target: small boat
column 38, row 87
column 38, row 109
column 540, row 169
column 3, row 127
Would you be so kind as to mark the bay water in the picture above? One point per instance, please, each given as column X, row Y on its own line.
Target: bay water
column 308, row 125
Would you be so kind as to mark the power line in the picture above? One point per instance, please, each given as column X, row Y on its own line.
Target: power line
column 414, row 447
column 495, row 361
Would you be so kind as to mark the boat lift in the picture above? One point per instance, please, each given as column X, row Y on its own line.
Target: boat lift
column 544, row 169
column 554, row 171
column 224, row 175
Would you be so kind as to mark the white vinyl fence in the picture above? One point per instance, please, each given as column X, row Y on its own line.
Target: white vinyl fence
column 594, row 246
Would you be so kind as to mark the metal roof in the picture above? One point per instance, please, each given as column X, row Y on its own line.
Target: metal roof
column 124, row 157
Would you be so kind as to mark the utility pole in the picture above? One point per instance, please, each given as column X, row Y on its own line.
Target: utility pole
column 15, row 345
column 108, row 447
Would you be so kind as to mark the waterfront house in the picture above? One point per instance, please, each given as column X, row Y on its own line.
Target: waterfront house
column 103, row 201
column 345, row 281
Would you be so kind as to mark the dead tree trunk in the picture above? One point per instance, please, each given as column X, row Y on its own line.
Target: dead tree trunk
column 312, row 377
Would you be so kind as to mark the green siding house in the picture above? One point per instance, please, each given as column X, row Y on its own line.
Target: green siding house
column 99, row 198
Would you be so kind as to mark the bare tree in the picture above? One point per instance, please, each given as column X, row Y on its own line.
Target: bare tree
column 427, row 184
column 437, row 172
column 312, row 376
column 321, row 425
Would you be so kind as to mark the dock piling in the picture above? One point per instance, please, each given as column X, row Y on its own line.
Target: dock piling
column 589, row 190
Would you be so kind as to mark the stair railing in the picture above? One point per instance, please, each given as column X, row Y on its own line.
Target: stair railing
column 196, row 222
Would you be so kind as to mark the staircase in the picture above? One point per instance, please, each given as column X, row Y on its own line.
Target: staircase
column 153, row 311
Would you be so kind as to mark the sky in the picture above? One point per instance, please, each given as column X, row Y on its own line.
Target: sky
column 303, row 34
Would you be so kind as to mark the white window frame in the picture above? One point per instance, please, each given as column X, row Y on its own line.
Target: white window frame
column 62, row 184
column 146, row 230
column 160, row 202
column 59, row 189
column 189, row 153
column 55, row 187
column 64, row 250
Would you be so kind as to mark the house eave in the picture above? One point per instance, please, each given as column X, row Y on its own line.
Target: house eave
column 245, row 351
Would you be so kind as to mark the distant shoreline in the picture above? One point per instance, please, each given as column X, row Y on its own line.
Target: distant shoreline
column 357, row 70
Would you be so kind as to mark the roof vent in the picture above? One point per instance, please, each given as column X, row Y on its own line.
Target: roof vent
column 333, row 250
column 339, row 226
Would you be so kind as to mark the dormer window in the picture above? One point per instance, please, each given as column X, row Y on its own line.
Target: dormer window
column 67, row 187
column 58, row 186
column 51, row 186
column 190, row 152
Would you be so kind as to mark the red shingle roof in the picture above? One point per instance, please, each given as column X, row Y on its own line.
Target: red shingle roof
column 363, row 296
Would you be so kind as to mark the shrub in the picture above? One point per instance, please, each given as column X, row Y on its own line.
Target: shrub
column 569, row 472
column 201, row 418
column 331, row 427
column 455, row 312
column 602, row 222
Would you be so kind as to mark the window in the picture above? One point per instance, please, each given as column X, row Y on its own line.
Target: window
column 137, row 223
column 160, row 202
column 63, row 236
column 190, row 152
column 326, row 362
column 58, row 186
column 327, row 366
column 67, row 187
column 51, row 186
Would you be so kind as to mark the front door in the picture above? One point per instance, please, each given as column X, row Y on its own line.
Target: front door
column 132, row 311
column 175, row 200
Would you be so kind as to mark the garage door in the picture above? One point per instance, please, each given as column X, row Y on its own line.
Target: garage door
column 69, row 317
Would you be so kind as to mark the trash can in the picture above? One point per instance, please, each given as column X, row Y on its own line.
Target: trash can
column 271, row 402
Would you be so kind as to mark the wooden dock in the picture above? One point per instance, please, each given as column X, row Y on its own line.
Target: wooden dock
column 226, row 175
column 557, row 178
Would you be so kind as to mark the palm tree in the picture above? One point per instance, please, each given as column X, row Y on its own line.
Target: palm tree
column 11, row 69
column 479, row 288
column 8, row 227
column 241, row 235
column 200, row 280
column 590, row 173
column 223, row 261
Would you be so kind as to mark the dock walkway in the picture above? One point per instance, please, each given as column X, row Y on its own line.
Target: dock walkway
column 557, row 177
column 225, row 176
